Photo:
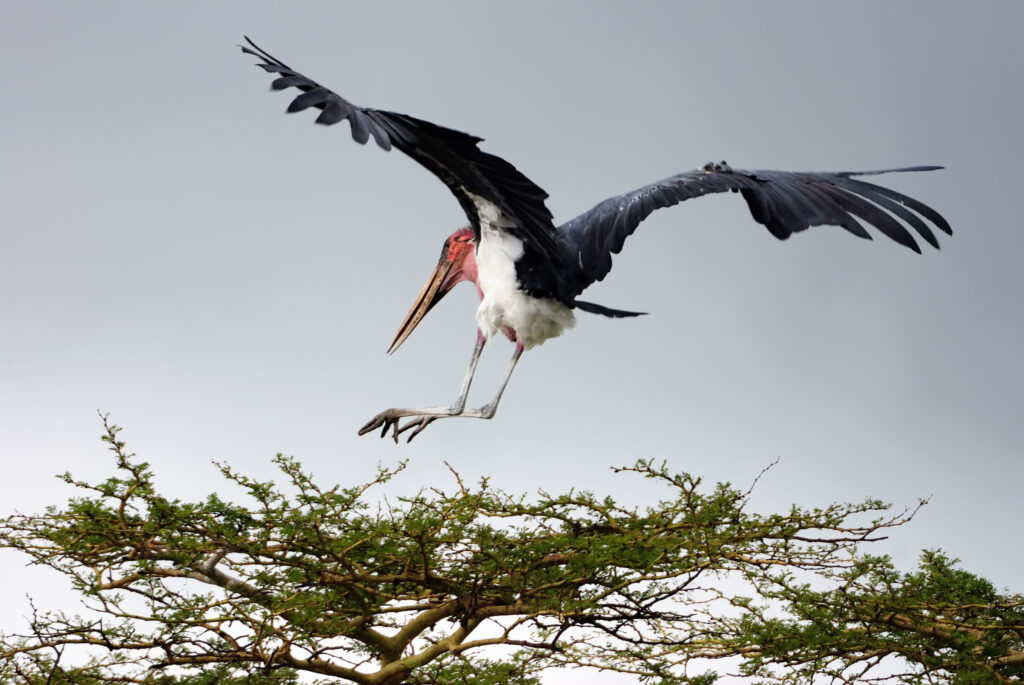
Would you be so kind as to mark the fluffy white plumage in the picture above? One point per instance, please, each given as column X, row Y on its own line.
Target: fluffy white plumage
column 504, row 303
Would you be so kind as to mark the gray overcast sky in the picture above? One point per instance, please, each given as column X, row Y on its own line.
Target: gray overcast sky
column 224, row 279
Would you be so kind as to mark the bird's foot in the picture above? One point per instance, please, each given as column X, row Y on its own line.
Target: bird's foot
column 419, row 423
column 390, row 420
column 386, row 420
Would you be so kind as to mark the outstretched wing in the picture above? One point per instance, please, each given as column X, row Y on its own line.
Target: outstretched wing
column 785, row 202
column 475, row 177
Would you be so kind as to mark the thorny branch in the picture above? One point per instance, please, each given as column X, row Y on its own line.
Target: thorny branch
column 329, row 582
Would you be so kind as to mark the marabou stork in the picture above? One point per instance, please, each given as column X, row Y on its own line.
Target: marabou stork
column 528, row 272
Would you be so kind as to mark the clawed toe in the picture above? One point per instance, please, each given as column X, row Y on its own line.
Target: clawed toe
column 419, row 423
column 389, row 420
column 384, row 421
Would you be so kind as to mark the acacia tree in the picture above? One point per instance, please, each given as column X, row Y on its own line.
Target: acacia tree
column 481, row 586
column 938, row 624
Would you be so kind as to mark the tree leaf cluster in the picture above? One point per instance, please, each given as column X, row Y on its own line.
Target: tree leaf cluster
column 478, row 585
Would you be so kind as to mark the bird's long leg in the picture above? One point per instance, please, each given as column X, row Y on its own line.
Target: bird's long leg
column 421, row 418
column 460, row 402
column 389, row 418
column 488, row 410
column 485, row 412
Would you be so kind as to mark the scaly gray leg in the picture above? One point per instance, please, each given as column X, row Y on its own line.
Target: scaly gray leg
column 421, row 418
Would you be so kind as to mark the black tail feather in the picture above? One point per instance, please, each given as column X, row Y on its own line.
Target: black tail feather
column 604, row 311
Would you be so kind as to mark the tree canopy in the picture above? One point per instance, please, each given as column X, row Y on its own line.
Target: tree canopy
column 478, row 585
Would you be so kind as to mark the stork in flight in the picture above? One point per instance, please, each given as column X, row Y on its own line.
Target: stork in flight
column 528, row 272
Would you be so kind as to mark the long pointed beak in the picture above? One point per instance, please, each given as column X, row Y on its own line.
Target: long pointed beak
column 432, row 292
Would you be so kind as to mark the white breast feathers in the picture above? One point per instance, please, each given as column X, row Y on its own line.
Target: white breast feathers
column 534, row 319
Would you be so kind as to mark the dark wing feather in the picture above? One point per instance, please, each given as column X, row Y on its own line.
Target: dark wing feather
column 784, row 202
column 450, row 155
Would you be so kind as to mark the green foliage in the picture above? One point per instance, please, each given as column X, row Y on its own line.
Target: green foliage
column 223, row 674
column 46, row 670
column 337, row 584
column 515, row 670
column 936, row 624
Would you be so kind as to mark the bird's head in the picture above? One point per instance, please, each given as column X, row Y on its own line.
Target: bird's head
column 457, row 264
